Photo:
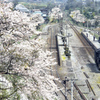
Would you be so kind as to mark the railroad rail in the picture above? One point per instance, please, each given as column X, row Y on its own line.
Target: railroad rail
column 90, row 88
column 52, row 33
column 90, row 50
column 83, row 97
column 84, row 42
column 52, row 44
column 52, row 47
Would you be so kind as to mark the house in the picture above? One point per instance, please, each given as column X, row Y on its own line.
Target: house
column 22, row 8
column 37, row 12
column 6, row 1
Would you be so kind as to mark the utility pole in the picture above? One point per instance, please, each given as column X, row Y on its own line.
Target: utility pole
column 72, row 82
column 65, row 82
column 87, row 24
column 68, row 39
column 95, row 6
column 82, row 5
column 65, row 89
column 66, row 35
column 71, row 89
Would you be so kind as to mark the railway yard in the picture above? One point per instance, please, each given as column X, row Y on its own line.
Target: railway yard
column 50, row 50
column 79, row 77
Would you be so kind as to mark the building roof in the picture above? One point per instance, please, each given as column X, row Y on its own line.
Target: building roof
column 38, row 12
column 21, row 7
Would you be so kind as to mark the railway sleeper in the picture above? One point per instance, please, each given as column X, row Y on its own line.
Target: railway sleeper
column 80, row 92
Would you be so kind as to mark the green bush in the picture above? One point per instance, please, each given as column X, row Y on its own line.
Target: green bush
column 67, row 52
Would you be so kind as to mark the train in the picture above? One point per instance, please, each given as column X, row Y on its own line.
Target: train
column 95, row 47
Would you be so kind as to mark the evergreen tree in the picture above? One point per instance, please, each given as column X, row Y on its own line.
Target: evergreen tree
column 15, row 2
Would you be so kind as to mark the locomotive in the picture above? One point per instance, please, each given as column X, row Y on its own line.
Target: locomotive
column 96, row 47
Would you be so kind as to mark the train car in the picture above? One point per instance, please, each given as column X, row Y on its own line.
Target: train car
column 95, row 44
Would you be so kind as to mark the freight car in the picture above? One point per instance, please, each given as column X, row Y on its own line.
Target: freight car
column 95, row 44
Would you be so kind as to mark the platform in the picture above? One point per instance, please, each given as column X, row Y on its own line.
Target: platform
column 91, row 38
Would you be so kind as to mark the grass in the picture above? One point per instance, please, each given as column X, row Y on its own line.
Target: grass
column 41, row 27
column 34, row 5
column 37, row 96
column 18, row 42
column 33, row 36
column 96, row 35
column 3, row 94
column 8, row 93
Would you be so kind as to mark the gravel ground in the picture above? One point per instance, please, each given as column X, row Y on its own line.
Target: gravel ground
column 74, row 68
column 83, row 62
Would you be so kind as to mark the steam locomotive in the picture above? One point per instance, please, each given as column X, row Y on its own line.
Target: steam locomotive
column 95, row 46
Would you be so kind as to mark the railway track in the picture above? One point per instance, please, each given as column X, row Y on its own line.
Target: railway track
column 90, row 51
column 84, row 42
column 53, row 48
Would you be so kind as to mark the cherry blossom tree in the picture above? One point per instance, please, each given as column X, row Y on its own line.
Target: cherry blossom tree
column 22, row 55
column 55, row 14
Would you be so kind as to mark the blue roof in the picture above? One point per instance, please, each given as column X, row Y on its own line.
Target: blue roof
column 38, row 12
